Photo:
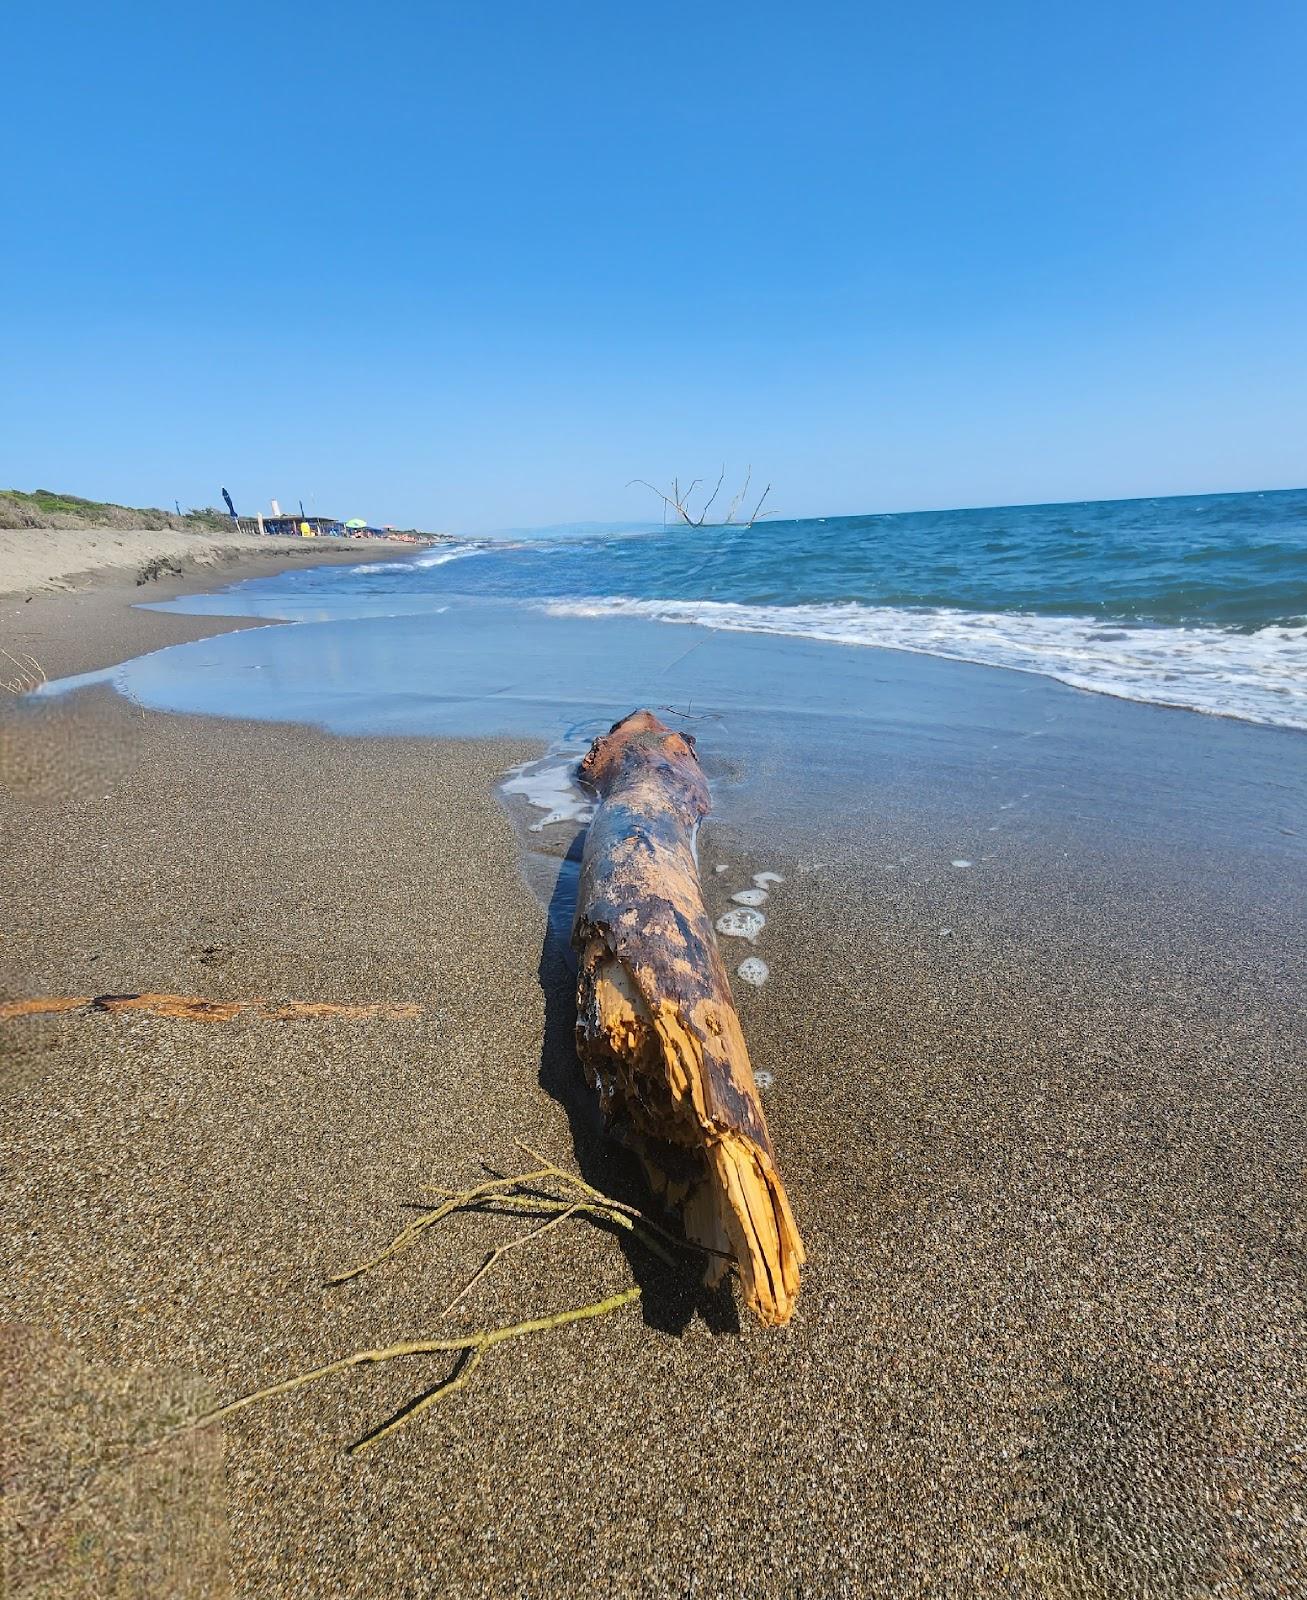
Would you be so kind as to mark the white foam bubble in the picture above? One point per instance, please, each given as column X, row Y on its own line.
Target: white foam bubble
column 750, row 897
column 550, row 786
column 754, row 970
column 762, row 879
column 741, row 924
column 1258, row 676
column 960, row 862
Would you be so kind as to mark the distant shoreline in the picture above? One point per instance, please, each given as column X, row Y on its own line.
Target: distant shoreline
column 76, row 605
column 53, row 559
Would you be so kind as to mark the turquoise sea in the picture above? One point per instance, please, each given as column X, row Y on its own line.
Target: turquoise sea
column 1125, row 670
column 1198, row 602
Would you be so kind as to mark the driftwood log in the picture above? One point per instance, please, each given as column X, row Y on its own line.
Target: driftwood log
column 657, row 1030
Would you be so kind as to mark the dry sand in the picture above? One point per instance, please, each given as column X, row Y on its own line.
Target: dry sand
column 1049, row 1170
column 77, row 621
column 70, row 558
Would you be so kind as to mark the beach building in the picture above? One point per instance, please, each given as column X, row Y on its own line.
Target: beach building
column 294, row 527
column 298, row 525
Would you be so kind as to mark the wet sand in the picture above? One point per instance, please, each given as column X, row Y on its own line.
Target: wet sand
column 1042, row 1120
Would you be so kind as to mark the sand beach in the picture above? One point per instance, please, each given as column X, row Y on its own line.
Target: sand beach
column 883, row 423
column 1041, row 1120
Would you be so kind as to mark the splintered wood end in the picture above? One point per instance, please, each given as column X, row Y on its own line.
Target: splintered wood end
column 663, row 1095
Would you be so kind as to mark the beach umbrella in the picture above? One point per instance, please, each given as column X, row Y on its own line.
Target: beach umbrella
column 356, row 522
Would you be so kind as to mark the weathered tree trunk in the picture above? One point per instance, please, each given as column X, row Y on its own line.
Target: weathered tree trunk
column 656, row 1026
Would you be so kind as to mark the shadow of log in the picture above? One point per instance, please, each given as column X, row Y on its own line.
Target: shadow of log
column 670, row 1297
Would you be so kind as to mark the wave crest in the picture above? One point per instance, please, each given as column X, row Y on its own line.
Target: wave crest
column 1259, row 677
column 438, row 559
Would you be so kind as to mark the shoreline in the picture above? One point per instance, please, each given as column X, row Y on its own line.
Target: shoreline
column 92, row 620
column 36, row 560
column 1038, row 1116
column 793, row 727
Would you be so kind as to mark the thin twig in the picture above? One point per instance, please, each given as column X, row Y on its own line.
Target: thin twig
column 442, row 1391
column 711, row 498
column 31, row 674
column 501, row 1250
column 735, row 504
column 693, row 716
column 672, row 500
column 478, row 1342
column 607, row 1209
column 500, row 1192
column 406, row 1236
column 680, row 503
column 609, row 1204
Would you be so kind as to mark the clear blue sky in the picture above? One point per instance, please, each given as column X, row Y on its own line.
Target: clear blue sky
column 473, row 265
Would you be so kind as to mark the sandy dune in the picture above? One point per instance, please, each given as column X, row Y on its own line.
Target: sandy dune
column 57, row 558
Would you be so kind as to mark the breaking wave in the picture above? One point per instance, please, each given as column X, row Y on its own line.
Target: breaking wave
column 1259, row 676
column 438, row 558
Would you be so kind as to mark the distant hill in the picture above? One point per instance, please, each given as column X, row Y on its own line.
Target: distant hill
column 45, row 509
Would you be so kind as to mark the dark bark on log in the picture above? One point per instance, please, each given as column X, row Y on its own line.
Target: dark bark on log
column 657, row 1030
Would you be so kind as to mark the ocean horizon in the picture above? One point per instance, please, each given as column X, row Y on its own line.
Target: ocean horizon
column 1193, row 602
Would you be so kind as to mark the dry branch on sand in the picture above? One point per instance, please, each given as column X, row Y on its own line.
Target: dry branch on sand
column 546, row 1191
column 471, row 1346
column 29, row 674
column 660, row 1040
column 657, row 1030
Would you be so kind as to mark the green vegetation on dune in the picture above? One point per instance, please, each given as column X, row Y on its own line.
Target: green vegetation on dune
column 43, row 508
column 47, row 500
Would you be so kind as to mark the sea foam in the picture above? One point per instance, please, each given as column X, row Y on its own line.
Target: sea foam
column 438, row 558
column 550, row 785
column 1259, row 676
